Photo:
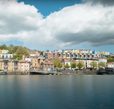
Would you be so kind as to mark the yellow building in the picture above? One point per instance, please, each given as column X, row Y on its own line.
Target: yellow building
column 10, row 66
column 37, row 63
column 1, row 65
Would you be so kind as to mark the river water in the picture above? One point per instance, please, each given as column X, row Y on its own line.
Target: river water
column 57, row 92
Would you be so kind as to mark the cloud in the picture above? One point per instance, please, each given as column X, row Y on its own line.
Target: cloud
column 104, row 2
column 81, row 23
column 18, row 19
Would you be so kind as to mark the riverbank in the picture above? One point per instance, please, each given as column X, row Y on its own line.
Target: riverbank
column 62, row 72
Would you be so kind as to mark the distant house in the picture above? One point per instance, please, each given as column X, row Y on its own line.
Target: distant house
column 110, row 65
column 23, row 66
column 36, row 62
column 12, row 66
column 2, row 66
column 34, row 54
column 67, row 62
column 4, row 54
column 104, row 60
column 48, row 65
column 9, row 65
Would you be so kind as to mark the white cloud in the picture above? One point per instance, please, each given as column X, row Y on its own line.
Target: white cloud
column 72, row 25
column 82, row 23
column 103, row 2
column 18, row 18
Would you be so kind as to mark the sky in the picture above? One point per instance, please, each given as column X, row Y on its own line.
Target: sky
column 58, row 24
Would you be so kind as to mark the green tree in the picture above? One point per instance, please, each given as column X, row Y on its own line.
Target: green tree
column 66, row 65
column 73, row 65
column 20, row 52
column 60, row 65
column 57, row 63
column 102, row 65
column 93, row 64
column 4, row 47
column 80, row 65
column 12, row 49
column 110, row 59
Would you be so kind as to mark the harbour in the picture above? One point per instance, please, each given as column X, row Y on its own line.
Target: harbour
column 56, row 92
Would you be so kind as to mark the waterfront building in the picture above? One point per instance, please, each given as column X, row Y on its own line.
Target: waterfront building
column 85, row 56
column 37, row 62
column 110, row 65
column 4, row 51
column 48, row 65
column 35, row 53
column 9, row 65
column 4, row 54
column 89, row 62
column 23, row 66
column 1, row 65
column 104, row 60
column 67, row 62
column 104, row 53
column 27, row 59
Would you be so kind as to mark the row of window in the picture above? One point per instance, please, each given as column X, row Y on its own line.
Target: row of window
column 6, row 56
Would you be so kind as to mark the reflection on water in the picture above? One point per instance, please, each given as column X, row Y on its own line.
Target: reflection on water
column 57, row 92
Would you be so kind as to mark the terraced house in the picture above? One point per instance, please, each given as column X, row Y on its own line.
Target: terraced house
column 44, row 60
column 84, row 56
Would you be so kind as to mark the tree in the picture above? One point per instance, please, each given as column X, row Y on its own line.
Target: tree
column 4, row 47
column 60, row 65
column 57, row 63
column 73, row 65
column 41, row 53
column 66, row 65
column 110, row 59
column 80, row 65
column 18, row 51
column 93, row 64
column 102, row 65
column 11, row 49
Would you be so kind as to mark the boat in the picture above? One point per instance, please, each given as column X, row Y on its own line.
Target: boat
column 107, row 70
column 3, row 72
column 101, row 71
column 42, row 72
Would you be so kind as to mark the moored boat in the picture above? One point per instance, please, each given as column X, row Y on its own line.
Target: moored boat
column 102, row 71
column 3, row 72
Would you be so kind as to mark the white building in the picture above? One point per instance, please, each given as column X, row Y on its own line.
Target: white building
column 104, row 60
column 4, row 54
column 4, row 51
column 110, row 65
column 28, row 59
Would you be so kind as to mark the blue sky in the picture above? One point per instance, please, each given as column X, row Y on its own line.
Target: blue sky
column 49, row 6
column 58, row 24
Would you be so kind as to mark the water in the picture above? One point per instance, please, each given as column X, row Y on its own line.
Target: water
column 57, row 92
